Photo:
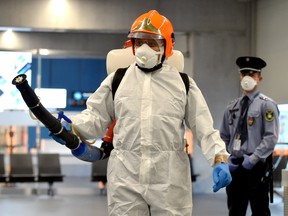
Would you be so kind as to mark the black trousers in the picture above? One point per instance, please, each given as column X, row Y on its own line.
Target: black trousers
column 246, row 186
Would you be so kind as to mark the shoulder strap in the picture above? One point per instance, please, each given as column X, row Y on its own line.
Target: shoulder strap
column 119, row 74
column 185, row 79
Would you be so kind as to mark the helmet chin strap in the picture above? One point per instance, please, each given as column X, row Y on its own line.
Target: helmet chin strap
column 157, row 67
column 149, row 70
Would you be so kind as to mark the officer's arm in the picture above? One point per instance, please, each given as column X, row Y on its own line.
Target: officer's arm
column 270, row 116
column 224, row 128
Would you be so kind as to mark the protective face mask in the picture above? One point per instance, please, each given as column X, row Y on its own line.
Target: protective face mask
column 248, row 83
column 146, row 57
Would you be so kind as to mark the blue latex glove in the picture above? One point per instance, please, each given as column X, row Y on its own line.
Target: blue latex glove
column 232, row 166
column 221, row 176
column 66, row 125
column 247, row 164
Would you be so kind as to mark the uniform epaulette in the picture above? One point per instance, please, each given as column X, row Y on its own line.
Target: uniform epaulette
column 233, row 101
column 264, row 97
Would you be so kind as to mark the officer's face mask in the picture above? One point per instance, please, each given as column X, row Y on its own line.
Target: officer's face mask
column 148, row 58
column 248, row 83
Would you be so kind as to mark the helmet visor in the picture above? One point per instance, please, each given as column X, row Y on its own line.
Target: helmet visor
column 144, row 35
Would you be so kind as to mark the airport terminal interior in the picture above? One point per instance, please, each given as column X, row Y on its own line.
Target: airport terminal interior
column 80, row 196
column 66, row 48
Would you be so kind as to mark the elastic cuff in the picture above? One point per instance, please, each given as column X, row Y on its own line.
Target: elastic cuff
column 220, row 158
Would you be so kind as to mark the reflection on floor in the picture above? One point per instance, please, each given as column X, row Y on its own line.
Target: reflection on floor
column 78, row 196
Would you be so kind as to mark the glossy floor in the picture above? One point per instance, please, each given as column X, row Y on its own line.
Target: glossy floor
column 79, row 197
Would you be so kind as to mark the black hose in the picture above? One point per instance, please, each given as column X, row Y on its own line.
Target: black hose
column 49, row 121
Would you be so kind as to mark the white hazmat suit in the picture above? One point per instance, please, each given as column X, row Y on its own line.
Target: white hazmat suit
column 148, row 170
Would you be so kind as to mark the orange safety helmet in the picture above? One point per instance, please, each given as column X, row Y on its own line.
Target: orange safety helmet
column 155, row 26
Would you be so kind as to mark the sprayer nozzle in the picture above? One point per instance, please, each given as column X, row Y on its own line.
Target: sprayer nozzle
column 19, row 79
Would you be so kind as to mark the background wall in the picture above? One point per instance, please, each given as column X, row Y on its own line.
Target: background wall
column 272, row 45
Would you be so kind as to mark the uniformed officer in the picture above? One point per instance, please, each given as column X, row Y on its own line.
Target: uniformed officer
column 250, row 129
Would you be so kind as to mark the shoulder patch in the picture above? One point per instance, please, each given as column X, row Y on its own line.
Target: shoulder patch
column 269, row 115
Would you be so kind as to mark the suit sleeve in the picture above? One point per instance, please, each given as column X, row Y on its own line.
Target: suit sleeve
column 94, row 120
column 198, row 118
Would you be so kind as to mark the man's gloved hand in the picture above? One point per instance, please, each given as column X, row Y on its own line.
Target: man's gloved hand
column 106, row 147
column 247, row 164
column 66, row 125
column 221, row 176
column 232, row 166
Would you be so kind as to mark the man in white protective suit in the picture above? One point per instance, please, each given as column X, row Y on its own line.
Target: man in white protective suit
column 148, row 170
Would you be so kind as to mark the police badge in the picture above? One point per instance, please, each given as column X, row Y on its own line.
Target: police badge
column 269, row 115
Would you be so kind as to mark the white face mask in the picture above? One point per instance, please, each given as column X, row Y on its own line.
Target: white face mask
column 248, row 83
column 146, row 57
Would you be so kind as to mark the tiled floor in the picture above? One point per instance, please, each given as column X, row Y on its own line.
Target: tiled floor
column 79, row 197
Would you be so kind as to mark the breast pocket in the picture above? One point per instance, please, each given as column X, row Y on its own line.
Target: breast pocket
column 254, row 119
